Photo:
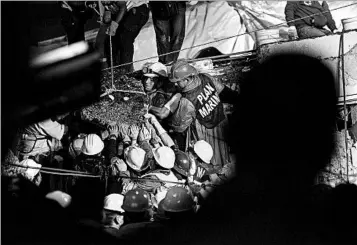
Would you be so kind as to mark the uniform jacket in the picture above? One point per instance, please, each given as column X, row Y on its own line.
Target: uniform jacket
column 300, row 9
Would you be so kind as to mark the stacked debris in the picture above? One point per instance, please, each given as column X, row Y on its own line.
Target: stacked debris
column 118, row 107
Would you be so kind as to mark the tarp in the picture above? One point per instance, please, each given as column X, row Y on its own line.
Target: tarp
column 212, row 21
column 205, row 22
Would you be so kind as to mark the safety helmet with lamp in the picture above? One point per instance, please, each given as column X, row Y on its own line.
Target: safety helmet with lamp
column 164, row 156
column 92, row 145
column 178, row 199
column 114, row 202
column 60, row 197
column 181, row 70
column 135, row 158
column 182, row 163
column 203, row 150
column 135, row 201
column 154, row 70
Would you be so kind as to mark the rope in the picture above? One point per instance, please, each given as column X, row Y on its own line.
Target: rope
column 64, row 172
column 238, row 35
column 109, row 91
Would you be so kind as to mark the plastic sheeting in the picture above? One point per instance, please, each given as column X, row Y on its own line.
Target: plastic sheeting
column 205, row 22
column 211, row 21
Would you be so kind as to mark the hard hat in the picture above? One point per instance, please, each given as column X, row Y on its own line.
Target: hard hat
column 114, row 202
column 75, row 148
column 178, row 199
column 154, row 70
column 92, row 145
column 203, row 150
column 136, row 200
column 135, row 158
column 33, row 170
column 182, row 163
column 164, row 156
column 180, row 70
column 62, row 198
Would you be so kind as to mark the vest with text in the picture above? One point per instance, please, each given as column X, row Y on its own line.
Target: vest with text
column 205, row 98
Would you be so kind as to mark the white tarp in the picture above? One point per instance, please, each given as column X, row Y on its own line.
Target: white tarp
column 205, row 22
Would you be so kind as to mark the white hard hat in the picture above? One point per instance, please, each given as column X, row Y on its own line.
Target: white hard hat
column 31, row 172
column 154, row 70
column 164, row 156
column 75, row 148
column 114, row 202
column 92, row 145
column 62, row 198
column 203, row 150
column 135, row 157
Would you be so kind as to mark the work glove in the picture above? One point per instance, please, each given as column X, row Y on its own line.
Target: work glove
column 133, row 133
column 113, row 130
column 193, row 167
column 151, row 118
column 124, row 132
column 292, row 32
column 144, row 134
column 112, row 29
column 118, row 165
column 335, row 31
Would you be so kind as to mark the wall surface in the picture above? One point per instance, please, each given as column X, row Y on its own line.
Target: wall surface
column 328, row 50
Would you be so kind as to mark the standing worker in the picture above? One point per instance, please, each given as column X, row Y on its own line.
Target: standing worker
column 309, row 27
column 169, row 23
column 199, row 112
column 126, row 22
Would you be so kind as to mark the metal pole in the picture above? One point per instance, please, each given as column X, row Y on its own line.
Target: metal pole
column 111, row 60
column 344, row 99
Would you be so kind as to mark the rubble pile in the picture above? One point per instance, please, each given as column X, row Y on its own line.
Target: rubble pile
column 125, row 108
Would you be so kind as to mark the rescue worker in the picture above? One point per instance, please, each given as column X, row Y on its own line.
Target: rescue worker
column 169, row 23
column 137, row 226
column 199, row 112
column 136, row 205
column 305, row 26
column 127, row 21
column 156, row 84
column 40, row 139
column 91, row 160
column 74, row 15
column 113, row 213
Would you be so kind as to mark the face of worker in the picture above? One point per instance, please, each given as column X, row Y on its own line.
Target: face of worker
column 149, row 83
column 182, row 84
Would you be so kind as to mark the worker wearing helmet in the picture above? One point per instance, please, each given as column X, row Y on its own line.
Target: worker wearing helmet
column 156, row 84
column 39, row 139
column 136, row 205
column 199, row 111
column 113, row 213
column 91, row 159
column 178, row 204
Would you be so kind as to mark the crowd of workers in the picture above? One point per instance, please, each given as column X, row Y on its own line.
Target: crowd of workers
column 169, row 163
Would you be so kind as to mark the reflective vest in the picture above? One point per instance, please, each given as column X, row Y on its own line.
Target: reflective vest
column 205, row 98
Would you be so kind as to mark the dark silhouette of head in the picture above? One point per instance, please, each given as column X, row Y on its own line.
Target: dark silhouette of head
column 285, row 122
